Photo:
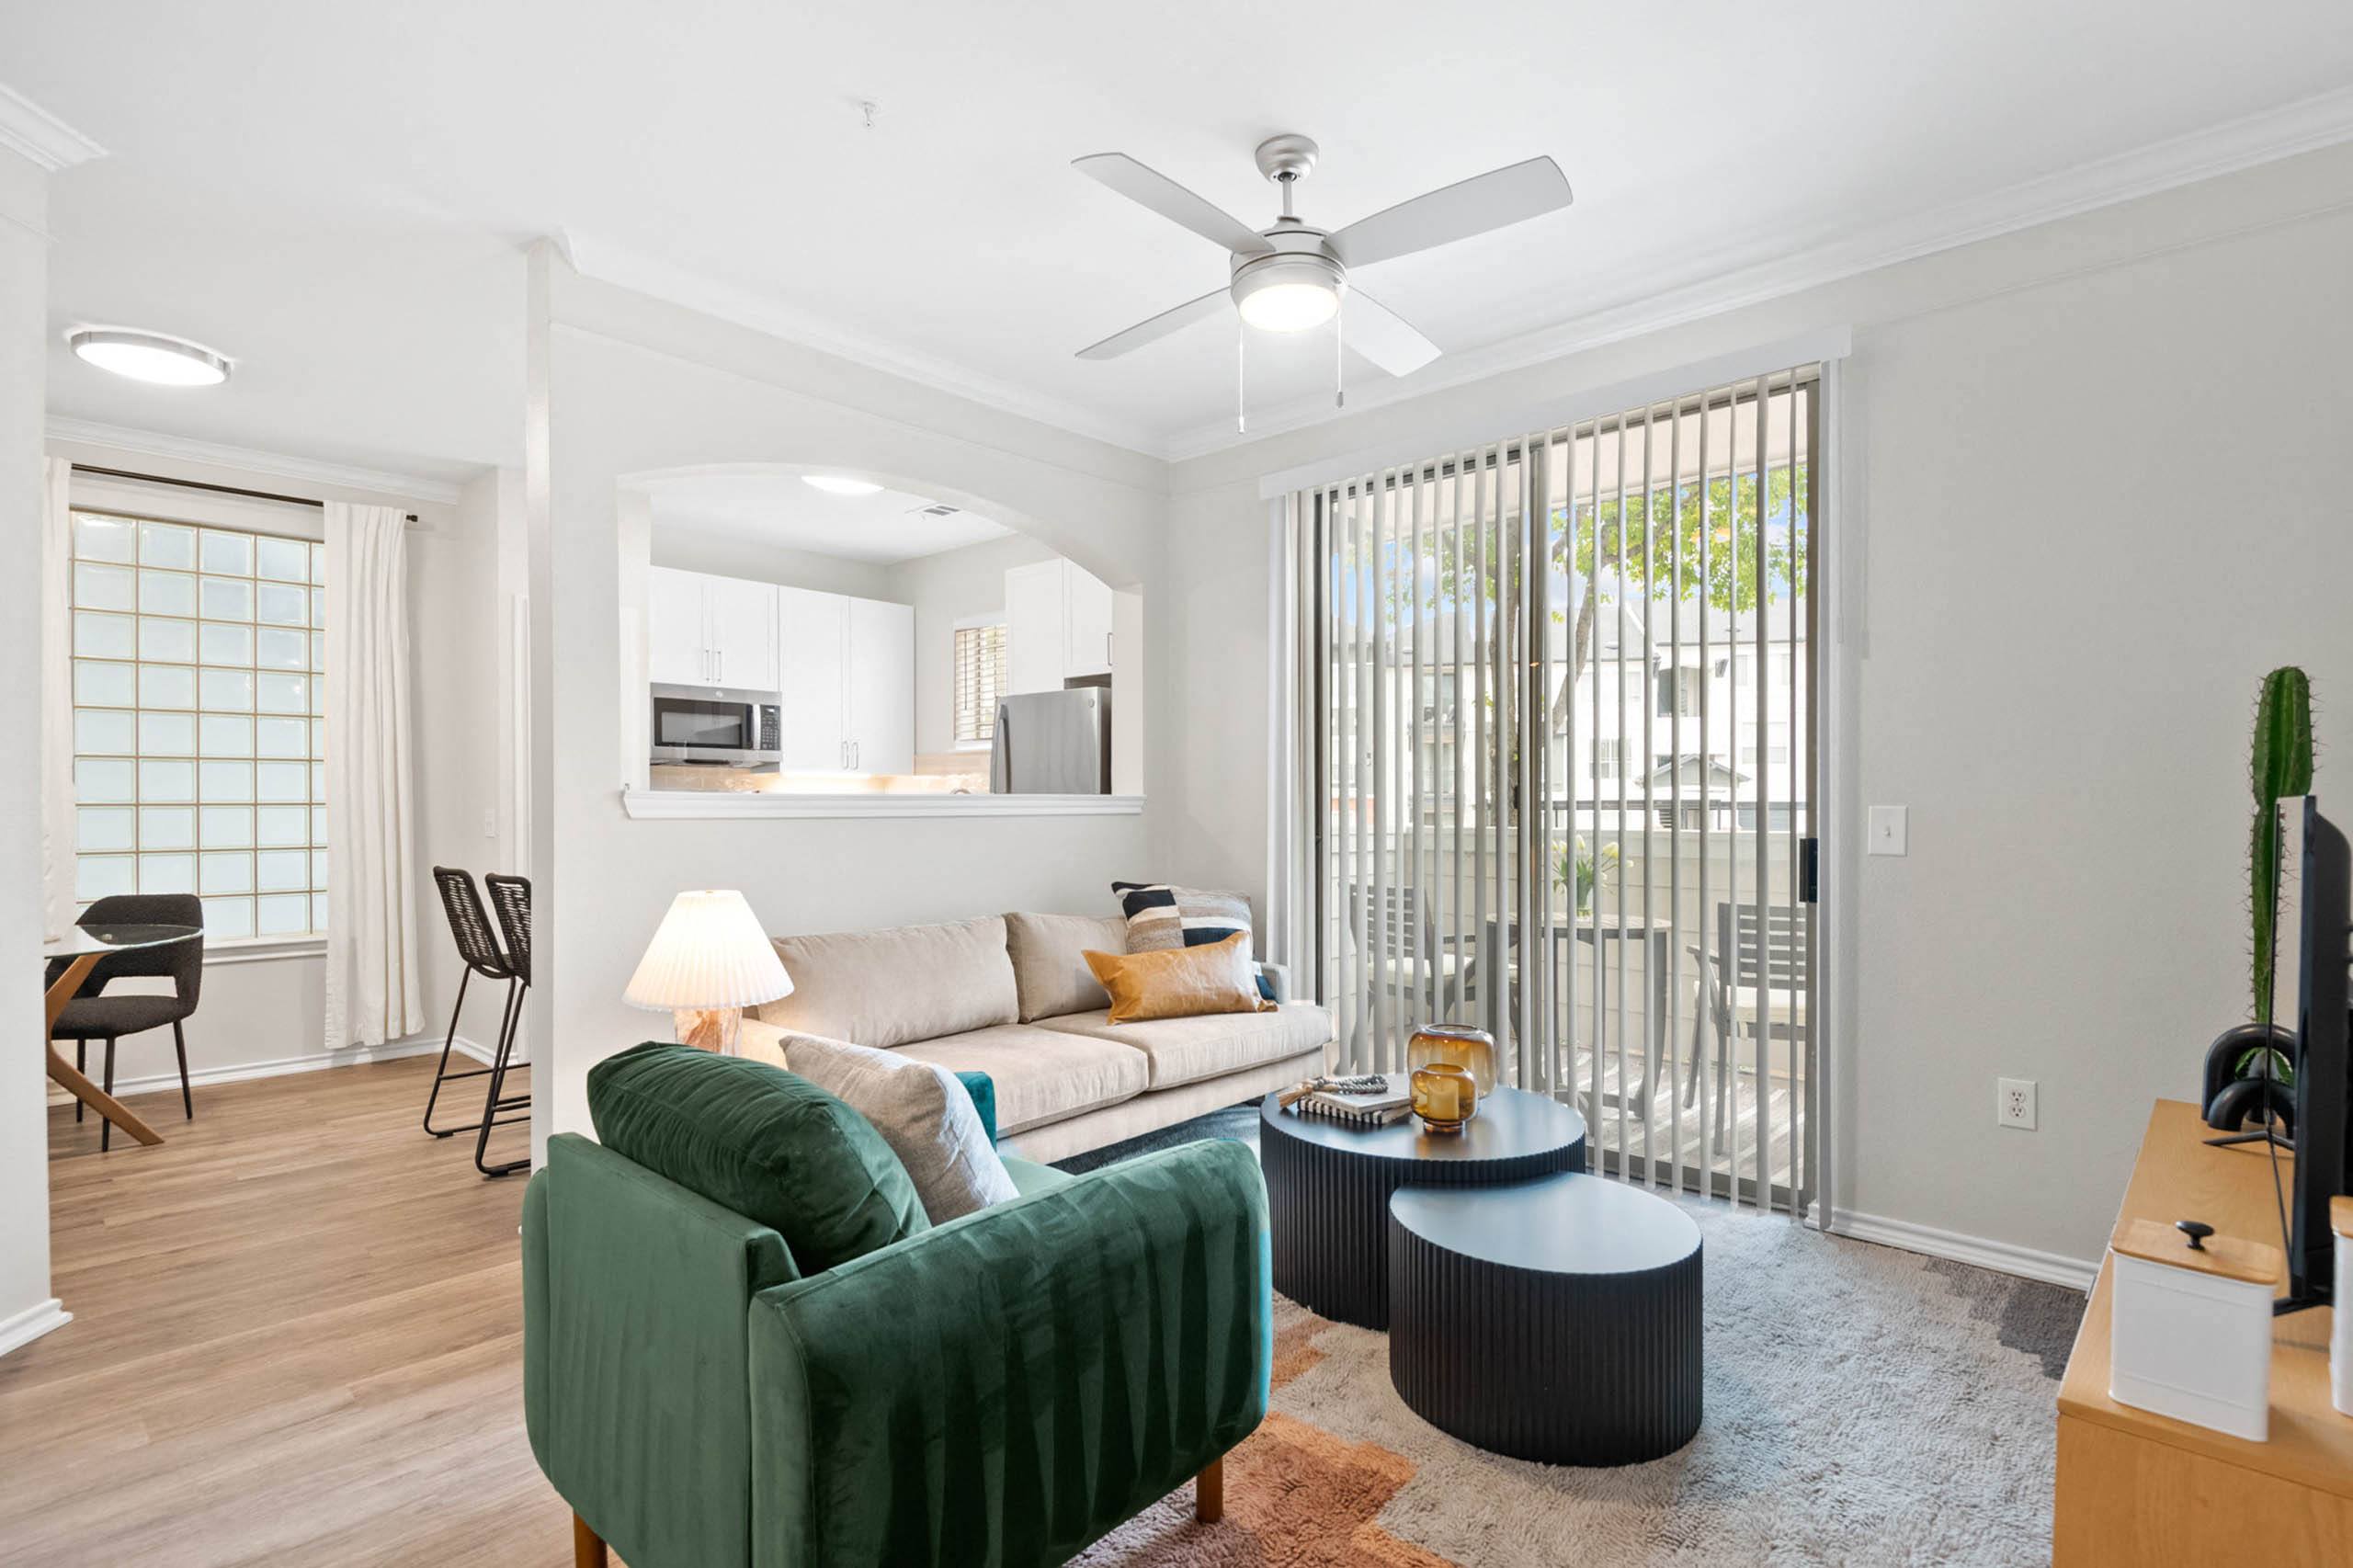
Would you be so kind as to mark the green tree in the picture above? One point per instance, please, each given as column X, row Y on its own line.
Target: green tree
column 1655, row 539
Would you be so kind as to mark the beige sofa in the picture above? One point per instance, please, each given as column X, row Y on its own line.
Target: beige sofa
column 1011, row 996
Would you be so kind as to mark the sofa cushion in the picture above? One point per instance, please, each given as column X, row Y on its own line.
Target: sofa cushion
column 1184, row 1051
column 1161, row 915
column 766, row 1143
column 1049, row 968
column 1180, row 982
column 1041, row 1074
column 924, row 1113
column 885, row 988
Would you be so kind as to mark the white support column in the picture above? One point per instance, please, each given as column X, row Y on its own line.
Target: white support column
column 31, row 146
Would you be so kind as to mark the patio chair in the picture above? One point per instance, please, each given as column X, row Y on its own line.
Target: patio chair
column 1402, row 953
column 1756, row 972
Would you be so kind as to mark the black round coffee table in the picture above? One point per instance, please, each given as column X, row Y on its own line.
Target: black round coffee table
column 1558, row 1320
column 1328, row 1187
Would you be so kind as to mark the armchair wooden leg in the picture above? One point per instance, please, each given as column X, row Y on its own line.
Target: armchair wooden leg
column 588, row 1546
column 1209, row 1492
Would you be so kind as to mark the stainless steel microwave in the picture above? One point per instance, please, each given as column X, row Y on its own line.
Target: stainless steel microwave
column 698, row 723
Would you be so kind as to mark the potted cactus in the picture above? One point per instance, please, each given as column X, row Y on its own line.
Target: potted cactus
column 2281, row 768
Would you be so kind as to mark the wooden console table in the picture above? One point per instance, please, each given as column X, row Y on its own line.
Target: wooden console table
column 2139, row 1489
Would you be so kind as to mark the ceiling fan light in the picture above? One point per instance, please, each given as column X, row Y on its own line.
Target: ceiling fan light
column 150, row 357
column 840, row 484
column 1289, row 307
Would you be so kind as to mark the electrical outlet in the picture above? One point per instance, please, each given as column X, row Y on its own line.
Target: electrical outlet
column 2014, row 1102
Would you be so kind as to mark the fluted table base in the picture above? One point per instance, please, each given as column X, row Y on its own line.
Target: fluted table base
column 1329, row 1187
column 1557, row 1320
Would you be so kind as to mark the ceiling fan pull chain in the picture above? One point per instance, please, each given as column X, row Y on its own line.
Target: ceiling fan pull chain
column 1241, row 376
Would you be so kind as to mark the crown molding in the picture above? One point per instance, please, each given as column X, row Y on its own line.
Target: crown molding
column 595, row 258
column 2303, row 126
column 50, row 143
column 153, row 444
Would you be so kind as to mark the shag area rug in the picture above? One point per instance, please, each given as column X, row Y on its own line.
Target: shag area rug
column 1864, row 1405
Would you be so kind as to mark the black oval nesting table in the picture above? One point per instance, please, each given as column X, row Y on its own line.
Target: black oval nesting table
column 1557, row 1320
column 1329, row 1187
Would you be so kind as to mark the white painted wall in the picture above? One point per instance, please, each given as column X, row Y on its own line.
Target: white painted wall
column 26, row 1308
column 2095, row 487
column 945, row 589
column 263, row 1011
column 725, row 553
column 624, row 385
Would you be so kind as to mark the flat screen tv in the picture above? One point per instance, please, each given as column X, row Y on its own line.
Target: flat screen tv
column 2324, row 1059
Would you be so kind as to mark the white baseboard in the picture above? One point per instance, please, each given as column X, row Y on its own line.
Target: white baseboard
column 310, row 1062
column 482, row 1054
column 2003, row 1257
column 23, row 1327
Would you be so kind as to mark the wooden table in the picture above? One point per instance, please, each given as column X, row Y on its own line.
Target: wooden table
column 2149, row 1491
column 81, row 949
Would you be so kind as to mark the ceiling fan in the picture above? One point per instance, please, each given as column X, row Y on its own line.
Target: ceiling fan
column 1291, row 275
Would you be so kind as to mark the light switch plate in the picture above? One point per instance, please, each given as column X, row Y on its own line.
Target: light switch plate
column 1890, row 829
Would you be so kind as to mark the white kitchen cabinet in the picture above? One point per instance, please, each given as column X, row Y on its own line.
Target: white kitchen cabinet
column 813, row 645
column 707, row 630
column 1057, row 626
column 881, row 686
column 1087, row 623
column 677, row 651
column 741, row 617
column 1034, row 646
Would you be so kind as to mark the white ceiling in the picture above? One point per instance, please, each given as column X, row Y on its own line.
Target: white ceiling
column 775, row 508
column 336, row 192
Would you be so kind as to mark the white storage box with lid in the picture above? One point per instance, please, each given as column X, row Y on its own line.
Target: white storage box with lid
column 2340, row 1338
column 2191, row 1329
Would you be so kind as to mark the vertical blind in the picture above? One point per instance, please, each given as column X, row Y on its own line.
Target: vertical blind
column 1554, row 773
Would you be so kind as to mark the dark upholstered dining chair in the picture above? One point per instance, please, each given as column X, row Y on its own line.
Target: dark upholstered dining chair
column 92, row 1015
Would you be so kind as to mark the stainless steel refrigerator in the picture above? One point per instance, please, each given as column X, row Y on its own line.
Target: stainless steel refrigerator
column 1052, row 743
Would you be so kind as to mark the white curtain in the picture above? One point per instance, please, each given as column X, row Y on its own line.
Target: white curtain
column 57, row 821
column 373, row 961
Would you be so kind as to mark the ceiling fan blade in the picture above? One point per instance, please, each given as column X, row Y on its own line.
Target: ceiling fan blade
column 1381, row 335
column 1172, row 202
column 1156, row 327
column 1475, row 206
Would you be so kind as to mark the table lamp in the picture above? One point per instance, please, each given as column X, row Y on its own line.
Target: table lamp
column 709, row 960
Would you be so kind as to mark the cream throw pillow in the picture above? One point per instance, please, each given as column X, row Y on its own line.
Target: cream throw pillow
column 922, row 1111
column 1180, row 982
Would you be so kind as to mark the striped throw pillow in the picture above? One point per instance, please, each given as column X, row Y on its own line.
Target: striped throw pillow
column 1160, row 916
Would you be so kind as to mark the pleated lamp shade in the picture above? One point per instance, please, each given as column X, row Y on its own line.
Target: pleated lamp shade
column 709, row 952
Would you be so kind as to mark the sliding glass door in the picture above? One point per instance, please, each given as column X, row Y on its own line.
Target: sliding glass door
column 1555, row 771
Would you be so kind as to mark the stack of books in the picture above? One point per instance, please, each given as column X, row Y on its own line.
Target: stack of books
column 1373, row 1100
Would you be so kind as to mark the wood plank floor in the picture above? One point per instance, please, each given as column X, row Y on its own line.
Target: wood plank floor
column 297, row 1339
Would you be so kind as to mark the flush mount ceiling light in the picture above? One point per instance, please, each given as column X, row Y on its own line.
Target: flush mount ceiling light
column 149, row 357
column 835, row 484
column 1288, row 292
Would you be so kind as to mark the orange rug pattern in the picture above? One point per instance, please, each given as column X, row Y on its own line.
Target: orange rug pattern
column 1295, row 1496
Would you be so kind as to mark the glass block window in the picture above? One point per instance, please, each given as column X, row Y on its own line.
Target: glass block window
column 198, row 727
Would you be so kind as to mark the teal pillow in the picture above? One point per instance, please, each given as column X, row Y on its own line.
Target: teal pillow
column 761, row 1141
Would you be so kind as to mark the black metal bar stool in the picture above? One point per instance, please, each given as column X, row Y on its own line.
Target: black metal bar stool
column 470, row 926
column 510, row 898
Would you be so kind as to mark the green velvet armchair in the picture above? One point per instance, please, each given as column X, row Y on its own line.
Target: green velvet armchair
column 999, row 1391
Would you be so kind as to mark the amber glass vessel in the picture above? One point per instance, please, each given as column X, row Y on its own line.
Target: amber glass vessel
column 1471, row 1049
column 1445, row 1097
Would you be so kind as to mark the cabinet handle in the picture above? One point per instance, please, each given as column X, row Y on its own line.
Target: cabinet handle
column 1106, row 649
column 857, row 754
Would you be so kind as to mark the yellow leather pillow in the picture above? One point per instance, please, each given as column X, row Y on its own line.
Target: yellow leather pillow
column 1180, row 982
